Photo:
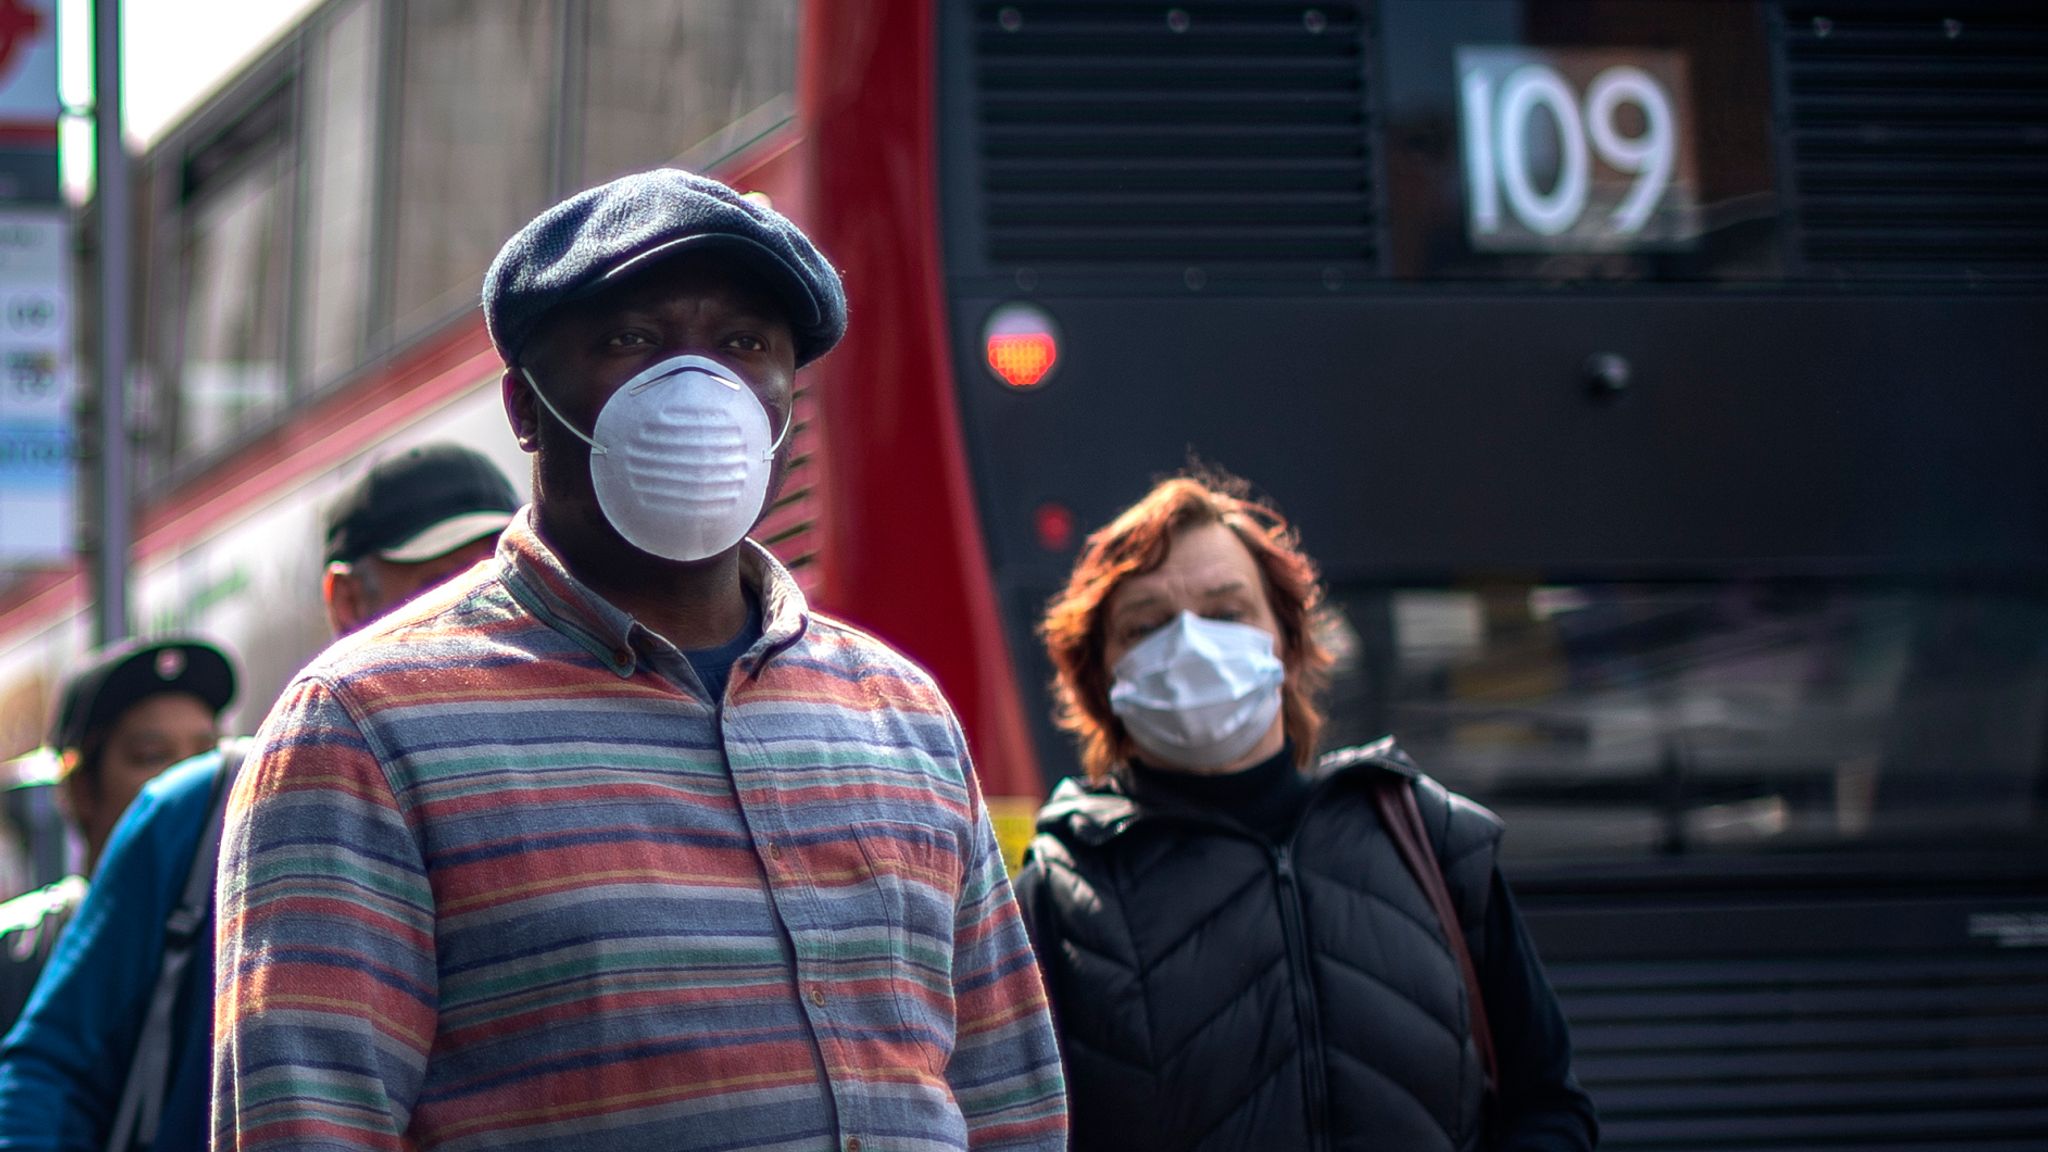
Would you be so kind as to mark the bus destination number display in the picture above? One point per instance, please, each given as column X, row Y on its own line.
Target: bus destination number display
column 1577, row 150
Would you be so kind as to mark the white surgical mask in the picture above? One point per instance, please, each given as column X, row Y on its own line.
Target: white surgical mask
column 680, row 457
column 1198, row 694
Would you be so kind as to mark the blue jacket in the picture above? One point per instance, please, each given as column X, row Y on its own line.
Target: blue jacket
column 63, row 1066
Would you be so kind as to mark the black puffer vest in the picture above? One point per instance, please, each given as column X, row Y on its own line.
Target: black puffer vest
column 1216, row 991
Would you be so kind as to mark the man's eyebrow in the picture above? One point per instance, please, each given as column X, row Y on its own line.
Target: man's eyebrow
column 606, row 314
column 1234, row 584
column 762, row 312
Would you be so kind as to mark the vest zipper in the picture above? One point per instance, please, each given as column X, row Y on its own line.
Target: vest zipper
column 1315, row 1086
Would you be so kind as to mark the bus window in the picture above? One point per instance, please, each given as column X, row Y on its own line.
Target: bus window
column 1622, row 720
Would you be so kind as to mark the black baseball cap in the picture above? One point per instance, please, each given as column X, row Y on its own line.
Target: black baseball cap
column 606, row 232
column 123, row 675
column 419, row 505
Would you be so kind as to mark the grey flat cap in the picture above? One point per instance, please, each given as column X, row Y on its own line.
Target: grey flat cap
column 606, row 231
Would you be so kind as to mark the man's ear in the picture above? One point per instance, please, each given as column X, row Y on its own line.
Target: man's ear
column 344, row 598
column 520, row 408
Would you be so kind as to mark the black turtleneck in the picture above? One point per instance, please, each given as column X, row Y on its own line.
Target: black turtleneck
column 1267, row 797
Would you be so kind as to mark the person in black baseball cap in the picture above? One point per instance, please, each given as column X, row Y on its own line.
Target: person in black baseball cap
column 125, row 1011
column 412, row 521
column 134, row 710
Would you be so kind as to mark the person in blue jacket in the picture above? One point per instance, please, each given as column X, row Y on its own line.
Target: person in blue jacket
column 134, row 709
column 411, row 522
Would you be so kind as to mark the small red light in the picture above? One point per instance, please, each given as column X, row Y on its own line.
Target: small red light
column 1022, row 358
column 1055, row 526
column 1021, row 345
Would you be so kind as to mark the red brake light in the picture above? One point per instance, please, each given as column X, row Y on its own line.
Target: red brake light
column 1055, row 524
column 1021, row 345
column 1022, row 359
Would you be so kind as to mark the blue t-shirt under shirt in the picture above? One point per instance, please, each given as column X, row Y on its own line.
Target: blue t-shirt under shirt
column 714, row 665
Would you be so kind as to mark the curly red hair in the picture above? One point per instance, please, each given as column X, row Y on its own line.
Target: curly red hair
column 1137, row 541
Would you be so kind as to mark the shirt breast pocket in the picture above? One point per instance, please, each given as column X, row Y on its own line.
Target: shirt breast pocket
column 916, row 873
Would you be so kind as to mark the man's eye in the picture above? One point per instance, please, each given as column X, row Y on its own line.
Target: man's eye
column 626, row 340
column 747, row 343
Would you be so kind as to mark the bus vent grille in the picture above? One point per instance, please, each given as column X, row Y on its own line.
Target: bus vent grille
column 1919, row 135
column 790, row 527
column 1903, row 1052
column 1119, row 133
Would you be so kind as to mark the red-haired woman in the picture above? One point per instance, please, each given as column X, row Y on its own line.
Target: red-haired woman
column 1239, row 954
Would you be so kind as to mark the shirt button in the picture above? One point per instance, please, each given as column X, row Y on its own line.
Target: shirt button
column 853, row 1144
column 775, row 851
column 622, row 656
column 817, row 997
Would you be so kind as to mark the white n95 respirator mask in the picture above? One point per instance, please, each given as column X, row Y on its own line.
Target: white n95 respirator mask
column 1198, row 694
column 680, row 457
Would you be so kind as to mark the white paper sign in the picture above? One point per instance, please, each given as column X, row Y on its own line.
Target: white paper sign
column 28, row 63
column 38, row 468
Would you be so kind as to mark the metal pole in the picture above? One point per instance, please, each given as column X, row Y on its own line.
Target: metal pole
column 111, row 193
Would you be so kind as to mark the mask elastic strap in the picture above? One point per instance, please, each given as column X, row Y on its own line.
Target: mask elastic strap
column 767, row 457
column 788, row 422
column 599, row 449
column 719, row 371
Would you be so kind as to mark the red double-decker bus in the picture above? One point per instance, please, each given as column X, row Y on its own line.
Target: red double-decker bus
column 1659, row 386
column 1658, row 383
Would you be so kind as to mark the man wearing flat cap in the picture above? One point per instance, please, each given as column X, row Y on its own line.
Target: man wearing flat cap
column 614, row 843
column 114, row 1049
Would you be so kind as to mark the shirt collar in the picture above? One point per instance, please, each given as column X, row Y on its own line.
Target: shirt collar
column 538, row 579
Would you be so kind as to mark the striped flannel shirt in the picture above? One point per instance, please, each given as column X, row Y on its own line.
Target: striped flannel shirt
column 499, row 875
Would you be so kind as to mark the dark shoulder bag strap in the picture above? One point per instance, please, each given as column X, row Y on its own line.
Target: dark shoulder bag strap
column 149, row 1072
column 1394, row 795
